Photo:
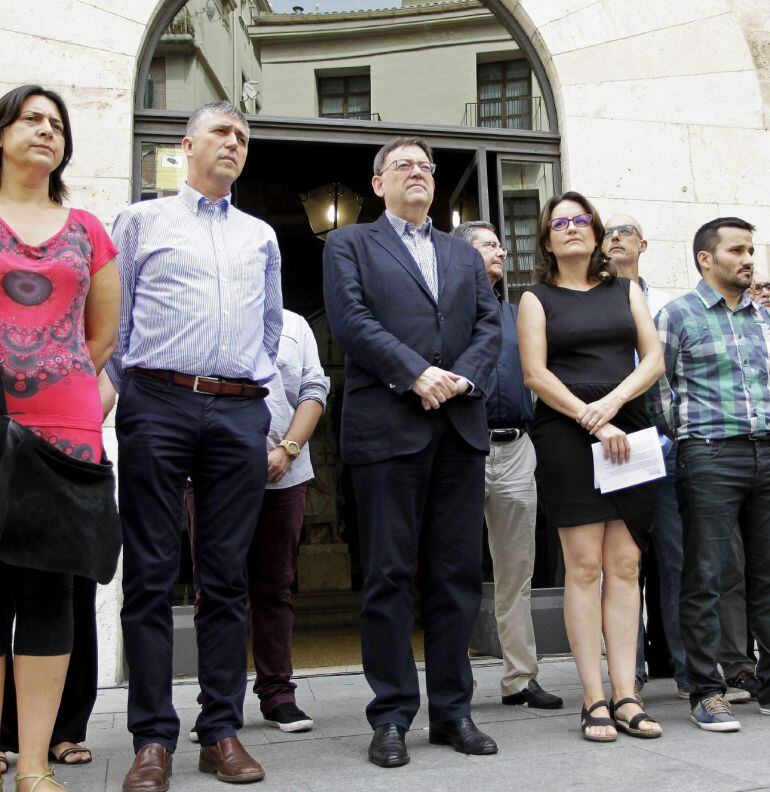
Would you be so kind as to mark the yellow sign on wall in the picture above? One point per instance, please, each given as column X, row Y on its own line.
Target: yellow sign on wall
column 171, row 167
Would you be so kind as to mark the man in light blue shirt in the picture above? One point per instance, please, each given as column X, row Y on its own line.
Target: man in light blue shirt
column 199, row 331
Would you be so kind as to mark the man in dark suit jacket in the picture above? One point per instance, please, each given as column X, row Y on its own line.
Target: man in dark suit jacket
column 414, row 312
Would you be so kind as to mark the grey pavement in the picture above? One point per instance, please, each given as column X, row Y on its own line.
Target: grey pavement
column 539, row 749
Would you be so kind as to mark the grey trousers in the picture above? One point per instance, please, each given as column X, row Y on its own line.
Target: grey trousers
column 510, row 509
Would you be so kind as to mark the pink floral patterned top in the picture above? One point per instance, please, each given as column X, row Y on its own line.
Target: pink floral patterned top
column 47, row 372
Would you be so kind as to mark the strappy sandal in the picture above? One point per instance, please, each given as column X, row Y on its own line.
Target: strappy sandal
column 3, row 764
column 587, row 720
column 631, row 727
column 62, row 757
column 39, row 778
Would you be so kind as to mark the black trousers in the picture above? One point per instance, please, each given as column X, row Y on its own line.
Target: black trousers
column 165, row 434
column 79, row 694
column 425, row 510
column 717, row 481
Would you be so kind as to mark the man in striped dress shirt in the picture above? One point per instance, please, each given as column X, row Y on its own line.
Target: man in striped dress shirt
column 200, row 323
column 714, row 398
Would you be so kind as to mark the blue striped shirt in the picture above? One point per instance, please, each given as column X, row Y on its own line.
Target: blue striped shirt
column 200, row 289
column 419, row 243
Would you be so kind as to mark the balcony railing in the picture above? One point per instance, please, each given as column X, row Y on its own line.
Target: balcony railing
column 181, row 25
column 353, row 116
column 520, row 112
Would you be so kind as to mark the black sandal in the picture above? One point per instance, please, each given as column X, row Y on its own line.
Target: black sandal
column 631, row 727
column 3, row 762
column 587, row 720
column 62, row 757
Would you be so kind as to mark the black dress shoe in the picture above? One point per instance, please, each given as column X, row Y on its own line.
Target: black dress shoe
column 388, row 746
column 463, row 735
column 534, row 696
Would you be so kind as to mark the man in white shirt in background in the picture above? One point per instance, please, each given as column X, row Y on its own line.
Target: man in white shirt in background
column 297, row 401
column 624, row 244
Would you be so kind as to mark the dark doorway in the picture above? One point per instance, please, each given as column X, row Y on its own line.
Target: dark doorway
column 276, row 175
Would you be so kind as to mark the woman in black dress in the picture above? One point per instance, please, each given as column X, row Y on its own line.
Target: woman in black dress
column 579, row 328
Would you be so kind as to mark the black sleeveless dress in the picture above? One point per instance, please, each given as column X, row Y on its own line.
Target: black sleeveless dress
column 591, row 340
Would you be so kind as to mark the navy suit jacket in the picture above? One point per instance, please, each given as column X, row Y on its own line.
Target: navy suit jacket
column 391, row 329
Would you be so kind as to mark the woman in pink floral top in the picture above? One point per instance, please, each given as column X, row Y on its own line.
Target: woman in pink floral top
column 59, row 296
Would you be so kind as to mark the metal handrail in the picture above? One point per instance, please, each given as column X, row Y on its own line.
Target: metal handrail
column 471, row 115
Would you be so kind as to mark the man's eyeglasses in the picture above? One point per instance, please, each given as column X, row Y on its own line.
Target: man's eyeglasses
column 407, row 166
column 493, row 246
column 579, row 221
column 623, row 231
column 758, row 287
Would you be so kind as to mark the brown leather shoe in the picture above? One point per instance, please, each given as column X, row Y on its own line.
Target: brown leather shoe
column 150, row 771
column 230, row 762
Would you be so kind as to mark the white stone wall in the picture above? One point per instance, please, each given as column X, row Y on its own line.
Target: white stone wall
column 663, row 109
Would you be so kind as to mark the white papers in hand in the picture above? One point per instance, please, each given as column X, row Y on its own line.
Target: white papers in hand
column 646, row 463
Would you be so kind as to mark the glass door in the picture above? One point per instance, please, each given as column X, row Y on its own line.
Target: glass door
column 470, row 198
column 522, row 188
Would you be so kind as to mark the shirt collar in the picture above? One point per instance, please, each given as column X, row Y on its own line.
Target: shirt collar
column 402, row 226
column 193, row 199
column 711, row 297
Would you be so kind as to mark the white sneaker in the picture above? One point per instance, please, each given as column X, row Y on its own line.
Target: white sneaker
column 764, row 709
column 735, row 695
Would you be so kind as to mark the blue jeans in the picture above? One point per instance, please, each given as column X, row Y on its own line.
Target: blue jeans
column 716, row 480
column 667, row 544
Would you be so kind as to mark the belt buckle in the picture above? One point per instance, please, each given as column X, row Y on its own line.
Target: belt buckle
column 199, row 379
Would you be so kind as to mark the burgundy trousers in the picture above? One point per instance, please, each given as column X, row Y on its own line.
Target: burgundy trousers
column 271, row 567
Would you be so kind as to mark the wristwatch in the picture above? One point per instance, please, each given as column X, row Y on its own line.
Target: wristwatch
column 292, row 448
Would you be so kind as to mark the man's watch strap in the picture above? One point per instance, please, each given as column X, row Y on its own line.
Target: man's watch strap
column 292, row 448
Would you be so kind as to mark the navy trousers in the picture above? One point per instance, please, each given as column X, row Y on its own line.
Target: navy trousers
column 424, row 508
column 165, row 434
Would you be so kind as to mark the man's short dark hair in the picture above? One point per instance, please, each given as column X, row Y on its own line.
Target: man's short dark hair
column 214, row 107
column 470, row 228
column 391, row 145
column 707, row 236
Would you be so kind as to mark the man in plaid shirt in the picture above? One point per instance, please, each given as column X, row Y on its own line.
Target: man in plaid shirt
column 714, row 399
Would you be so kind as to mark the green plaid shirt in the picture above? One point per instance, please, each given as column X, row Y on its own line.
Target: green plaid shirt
column 716, row 380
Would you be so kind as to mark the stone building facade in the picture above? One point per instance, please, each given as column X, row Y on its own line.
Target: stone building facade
column 663, row 111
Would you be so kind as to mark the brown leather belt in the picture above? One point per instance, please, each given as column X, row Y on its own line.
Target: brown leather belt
column 213, row 386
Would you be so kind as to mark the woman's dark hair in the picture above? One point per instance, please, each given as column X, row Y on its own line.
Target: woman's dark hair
column 547, row 268
column 10, row 110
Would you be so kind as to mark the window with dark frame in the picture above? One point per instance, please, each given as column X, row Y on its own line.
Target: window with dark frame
column 155, row 87
column 504, row 94
column 520, row 215
column 345, row 97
